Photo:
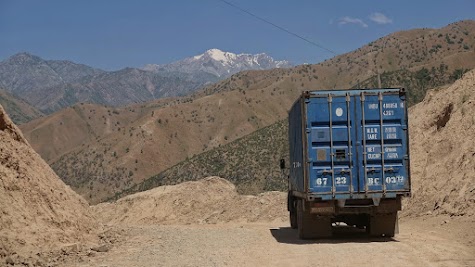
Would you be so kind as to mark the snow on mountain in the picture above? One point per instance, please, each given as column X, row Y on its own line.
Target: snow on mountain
column 219, row 63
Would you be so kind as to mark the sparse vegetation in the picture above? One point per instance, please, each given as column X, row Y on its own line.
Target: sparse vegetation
column 251, row 163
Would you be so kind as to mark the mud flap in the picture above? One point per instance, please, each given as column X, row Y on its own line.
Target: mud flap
column 312, row 226
column 383, row 225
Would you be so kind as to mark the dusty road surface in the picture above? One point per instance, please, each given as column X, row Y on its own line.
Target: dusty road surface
column 423, row 241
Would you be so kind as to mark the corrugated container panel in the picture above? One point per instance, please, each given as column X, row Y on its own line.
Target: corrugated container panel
column 354, row 142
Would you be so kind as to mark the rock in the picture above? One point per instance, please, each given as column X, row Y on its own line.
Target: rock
column 68, row 249
column 101, row 248
column 9, row 261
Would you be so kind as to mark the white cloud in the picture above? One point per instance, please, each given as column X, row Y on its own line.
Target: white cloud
column 380, row 18
column 350, row 20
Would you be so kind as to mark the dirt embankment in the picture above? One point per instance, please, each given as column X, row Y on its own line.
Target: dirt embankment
column 38, row 212
column 207, row 201
column 442, row 132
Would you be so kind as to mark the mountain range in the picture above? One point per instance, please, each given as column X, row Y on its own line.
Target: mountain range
column 219, row 64
column 101, row 151
column 50, row 85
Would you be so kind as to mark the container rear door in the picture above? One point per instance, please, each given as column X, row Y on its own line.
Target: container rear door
column 357, row 144
column 383, row 143
column 331, row 139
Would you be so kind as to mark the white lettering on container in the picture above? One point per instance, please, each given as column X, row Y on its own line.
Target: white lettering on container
column 372, row 133
column 390, row 129
column 373, row 181
column 392, row 155
column 390, row 149
column 390, row 105
column 374, row 156
column 340, row 180
column 394, row 179
column 388, row 112
column 391, row 136
column 373, row 106
column 322, row 181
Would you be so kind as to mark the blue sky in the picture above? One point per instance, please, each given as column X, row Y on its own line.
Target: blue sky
column 115, row 34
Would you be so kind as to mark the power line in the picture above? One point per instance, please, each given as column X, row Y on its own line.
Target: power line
column 293, row 34
column 278, row 27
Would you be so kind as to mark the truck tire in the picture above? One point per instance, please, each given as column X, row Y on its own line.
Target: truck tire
column 293, row 213
column 292, row 208
column 383, row 225
column 312, row 226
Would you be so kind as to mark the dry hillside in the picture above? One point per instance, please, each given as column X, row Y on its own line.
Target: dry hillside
column 442, row 130
column 208, row 201
column 76, row 126
column 251, row 163
column 19, row 110
column 39, row 213
column 158, row 136
column 154, row 141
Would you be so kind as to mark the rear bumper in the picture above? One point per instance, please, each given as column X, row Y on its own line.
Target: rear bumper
column 355, row 206
column 369, row 195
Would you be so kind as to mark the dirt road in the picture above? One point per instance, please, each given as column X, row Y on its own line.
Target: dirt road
column 426, row 241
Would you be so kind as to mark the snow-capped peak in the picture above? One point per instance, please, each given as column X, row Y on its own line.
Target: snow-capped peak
column 217, row 54
column 221, row 64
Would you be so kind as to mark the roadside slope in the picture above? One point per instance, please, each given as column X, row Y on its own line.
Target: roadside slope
column 39, row 213
column 442, row 131
column 208, row 201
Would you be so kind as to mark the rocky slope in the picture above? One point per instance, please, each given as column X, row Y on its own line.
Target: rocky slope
column 39, row 213
column 442, row 131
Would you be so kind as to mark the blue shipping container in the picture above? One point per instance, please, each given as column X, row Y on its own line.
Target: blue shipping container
column 349, row 145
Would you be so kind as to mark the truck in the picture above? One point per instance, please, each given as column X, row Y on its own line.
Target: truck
column 349, row 161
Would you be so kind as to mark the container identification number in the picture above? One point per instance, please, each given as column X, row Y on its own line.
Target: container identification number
column 338, row 181
column 389, row 180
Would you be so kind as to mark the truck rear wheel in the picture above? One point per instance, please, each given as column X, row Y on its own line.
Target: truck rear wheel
column 293, row 216
column 383, row 225
column 310, row 225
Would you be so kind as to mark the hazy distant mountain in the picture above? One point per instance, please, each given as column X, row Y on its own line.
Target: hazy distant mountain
column 23, row 72
column 18, row 110
column 219, row 64
column 117, row 88
column 50, row 85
